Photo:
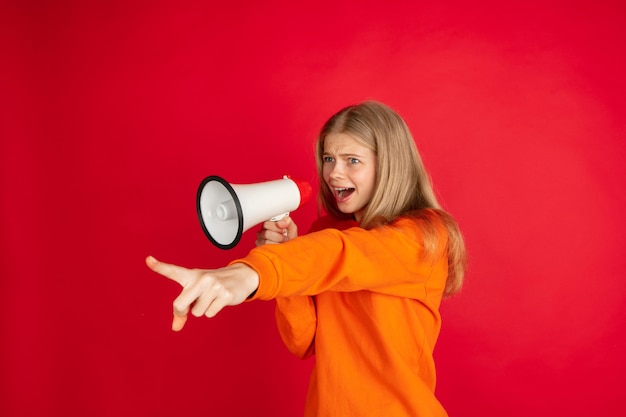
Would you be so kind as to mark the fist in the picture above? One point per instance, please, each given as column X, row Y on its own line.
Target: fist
column 280, row 231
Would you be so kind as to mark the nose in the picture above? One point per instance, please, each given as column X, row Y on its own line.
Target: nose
column 336, row 171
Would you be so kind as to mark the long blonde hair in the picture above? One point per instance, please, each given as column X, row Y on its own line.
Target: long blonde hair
column 403, row 186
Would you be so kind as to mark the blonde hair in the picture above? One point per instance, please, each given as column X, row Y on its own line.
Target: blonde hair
column 403, row 186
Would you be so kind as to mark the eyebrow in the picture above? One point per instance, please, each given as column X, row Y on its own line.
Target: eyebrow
column 345, row 154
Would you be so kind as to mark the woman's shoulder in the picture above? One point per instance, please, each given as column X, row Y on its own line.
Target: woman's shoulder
column 429, row 221
column 429, row 215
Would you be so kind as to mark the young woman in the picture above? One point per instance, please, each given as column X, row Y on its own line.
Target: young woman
column 361, row 291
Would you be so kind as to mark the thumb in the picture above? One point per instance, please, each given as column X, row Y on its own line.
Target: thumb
column 178, row 322
column 290, row 229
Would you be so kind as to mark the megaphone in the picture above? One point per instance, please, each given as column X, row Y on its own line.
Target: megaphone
column 227, row 210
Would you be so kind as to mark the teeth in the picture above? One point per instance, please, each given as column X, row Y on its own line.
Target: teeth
column 341, row 192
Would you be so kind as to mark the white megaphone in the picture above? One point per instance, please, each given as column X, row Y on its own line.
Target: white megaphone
column 227, row 210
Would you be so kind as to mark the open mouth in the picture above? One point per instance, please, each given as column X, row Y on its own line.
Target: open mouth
column 343, row 192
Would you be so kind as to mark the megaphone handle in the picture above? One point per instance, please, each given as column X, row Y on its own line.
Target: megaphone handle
column 279, row 217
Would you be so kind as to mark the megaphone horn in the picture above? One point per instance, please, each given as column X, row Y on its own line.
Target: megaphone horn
column 227, row 210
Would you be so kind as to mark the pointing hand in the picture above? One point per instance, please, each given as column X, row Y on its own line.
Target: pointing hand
column 206, row 291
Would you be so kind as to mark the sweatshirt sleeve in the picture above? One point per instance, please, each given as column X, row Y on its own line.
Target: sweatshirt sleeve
column 296, row 319
column 388, row 259
column 296, row 316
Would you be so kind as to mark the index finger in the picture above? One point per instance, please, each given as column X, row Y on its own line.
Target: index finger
column 271, row 225
column 173, row 272
column 284, row 223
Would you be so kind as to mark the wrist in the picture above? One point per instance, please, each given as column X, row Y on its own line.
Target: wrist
column 250, row 279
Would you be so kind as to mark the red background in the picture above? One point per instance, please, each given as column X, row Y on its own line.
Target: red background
column 113, row 112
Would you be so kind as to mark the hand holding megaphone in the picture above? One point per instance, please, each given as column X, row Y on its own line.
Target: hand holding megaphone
column 227, row 210
column 273, row 232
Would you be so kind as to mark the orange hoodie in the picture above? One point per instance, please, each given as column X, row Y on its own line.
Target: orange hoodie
column 366, row 304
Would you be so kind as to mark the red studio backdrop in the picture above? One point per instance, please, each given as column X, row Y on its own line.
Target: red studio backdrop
column 113, row 112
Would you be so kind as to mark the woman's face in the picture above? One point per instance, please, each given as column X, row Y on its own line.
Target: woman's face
column 349, row 170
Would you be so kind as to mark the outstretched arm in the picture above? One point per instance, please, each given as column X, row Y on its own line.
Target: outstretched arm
column 206, row 291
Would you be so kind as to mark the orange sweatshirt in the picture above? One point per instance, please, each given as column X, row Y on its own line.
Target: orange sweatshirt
column 366, row 304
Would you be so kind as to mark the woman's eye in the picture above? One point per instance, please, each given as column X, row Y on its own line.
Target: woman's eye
column 353, row 160
column 327, row 159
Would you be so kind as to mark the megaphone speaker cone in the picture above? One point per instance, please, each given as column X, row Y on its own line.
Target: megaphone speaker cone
column 219, row 212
